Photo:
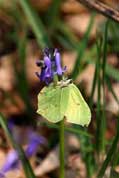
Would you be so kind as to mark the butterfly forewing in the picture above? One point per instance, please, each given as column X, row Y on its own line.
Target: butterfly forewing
column 49, row 104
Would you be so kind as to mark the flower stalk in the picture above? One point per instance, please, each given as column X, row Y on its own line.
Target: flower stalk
column 61, row 150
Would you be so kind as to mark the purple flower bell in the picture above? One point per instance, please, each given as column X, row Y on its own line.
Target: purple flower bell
column 34, row 141
column 2, row 175
column 10, row 124
column 59, row 70
column 13, row 161
column 46, row 71
column 51, row 66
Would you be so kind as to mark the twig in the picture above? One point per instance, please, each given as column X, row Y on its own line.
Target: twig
column 101, row 8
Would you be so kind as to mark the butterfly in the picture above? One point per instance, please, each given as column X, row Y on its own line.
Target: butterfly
column 63, row 101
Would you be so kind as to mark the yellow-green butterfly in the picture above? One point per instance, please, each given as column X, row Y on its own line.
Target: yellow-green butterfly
column 63, row 101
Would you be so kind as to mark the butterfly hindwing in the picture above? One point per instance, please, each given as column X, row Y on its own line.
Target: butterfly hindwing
column 77, row 111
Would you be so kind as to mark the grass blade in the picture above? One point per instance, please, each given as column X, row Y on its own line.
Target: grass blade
column 112, row 72
column 27, row 168
column 36, row 24
column 110, row 153
column 21, row 79
column 111, row 89
column 104, row 59
column 81, row 48
column 53, row 13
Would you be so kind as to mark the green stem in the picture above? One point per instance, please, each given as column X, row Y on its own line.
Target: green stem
column 61, row 151
column 55, row 79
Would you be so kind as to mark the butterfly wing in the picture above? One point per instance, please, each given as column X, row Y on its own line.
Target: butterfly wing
column 55, row 102
column 52, row 103
column 77, row 111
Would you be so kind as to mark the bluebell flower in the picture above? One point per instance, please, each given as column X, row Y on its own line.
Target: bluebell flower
column 59, row 69
column 46, row 74
column 10, row 124
column 12, row 159
column 12, row 162
column 34, row 141
column 2, row 175
column 50, row 66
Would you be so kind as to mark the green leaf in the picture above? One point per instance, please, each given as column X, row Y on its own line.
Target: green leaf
column 57, row 102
